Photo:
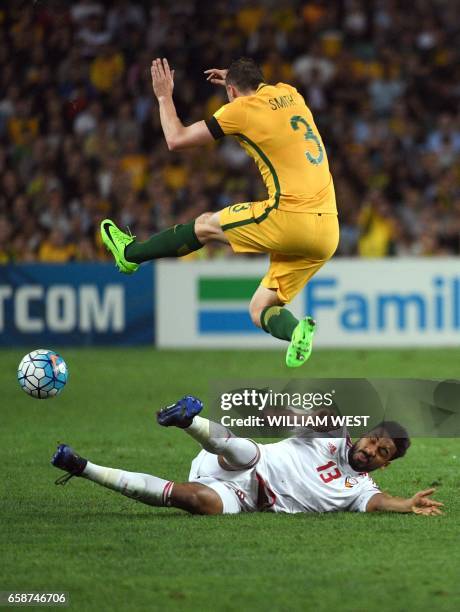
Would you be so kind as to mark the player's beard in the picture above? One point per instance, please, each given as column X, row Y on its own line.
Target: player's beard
column 357, row 464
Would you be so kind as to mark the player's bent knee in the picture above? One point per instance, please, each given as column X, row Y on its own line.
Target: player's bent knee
column 203, row 227
column 255, row 318
column 255, row 312
column 205, row 500
column 207, row 228
column 203, row 219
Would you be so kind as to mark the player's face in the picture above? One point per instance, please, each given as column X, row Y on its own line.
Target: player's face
column 371, row 453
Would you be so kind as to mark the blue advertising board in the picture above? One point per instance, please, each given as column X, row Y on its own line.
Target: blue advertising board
column 75, row 304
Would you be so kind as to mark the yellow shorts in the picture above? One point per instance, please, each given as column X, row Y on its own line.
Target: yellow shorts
column 299, row 243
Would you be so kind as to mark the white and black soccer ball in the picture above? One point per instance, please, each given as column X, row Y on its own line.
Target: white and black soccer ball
column 42, row 373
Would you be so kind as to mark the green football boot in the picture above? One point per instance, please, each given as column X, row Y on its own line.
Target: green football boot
column 299, row 349
column 116, row 241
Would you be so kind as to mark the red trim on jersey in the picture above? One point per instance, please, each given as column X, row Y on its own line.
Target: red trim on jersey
column 265, row 497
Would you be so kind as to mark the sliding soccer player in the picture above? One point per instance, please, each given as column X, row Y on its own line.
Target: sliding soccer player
column 232, row 475
column 296, row 225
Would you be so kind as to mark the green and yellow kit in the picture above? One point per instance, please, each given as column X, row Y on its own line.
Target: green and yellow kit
column 297, row 224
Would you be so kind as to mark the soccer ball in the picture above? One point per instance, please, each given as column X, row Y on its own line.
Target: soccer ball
column 42, row 374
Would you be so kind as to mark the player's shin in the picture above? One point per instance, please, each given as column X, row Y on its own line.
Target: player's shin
column 175, row 241
column 215, row 438
column 141, row 487
column 278, row 321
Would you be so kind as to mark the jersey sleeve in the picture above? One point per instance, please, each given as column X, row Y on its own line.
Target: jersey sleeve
column 366, row 489
column 229, row 119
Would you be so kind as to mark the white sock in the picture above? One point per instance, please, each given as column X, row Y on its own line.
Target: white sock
column 142, row 487
column 217, row 439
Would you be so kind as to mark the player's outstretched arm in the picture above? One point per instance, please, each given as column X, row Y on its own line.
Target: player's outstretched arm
column 420, row 503
column 176, row 134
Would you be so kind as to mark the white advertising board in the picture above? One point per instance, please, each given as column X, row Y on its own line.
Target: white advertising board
column 356, row 303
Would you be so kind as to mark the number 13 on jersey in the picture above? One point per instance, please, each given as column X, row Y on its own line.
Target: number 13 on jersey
column 332, row 474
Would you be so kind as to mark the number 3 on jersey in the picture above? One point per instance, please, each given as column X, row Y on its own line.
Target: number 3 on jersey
column 327, row 477
column 309, row 135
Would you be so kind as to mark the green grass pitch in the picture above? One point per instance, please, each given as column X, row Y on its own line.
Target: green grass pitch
column 111, row 553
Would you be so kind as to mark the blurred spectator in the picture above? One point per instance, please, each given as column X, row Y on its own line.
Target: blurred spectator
column 87, row 120
column 55, row 249
column 378, row 228
column 6, row 232
column 106, row 69
column 385, row 90
column 80, row 136
column 314, row 66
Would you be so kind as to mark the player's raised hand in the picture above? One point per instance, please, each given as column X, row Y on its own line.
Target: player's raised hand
column 421, row 503
column 162, row 78
column 216, row 75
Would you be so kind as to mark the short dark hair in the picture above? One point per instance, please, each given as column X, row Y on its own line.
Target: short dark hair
column 244, row 74
column 397, row 433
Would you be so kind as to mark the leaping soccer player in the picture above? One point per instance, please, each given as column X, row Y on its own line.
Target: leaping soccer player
column 232, row 475
column 297, row 225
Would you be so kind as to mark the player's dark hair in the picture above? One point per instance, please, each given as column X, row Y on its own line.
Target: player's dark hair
column 397, row 433
column 244, row 74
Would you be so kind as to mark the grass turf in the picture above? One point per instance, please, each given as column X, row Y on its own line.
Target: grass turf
column 111, row 553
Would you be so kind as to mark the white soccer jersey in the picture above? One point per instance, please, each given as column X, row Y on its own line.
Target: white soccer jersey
column 313, row 475
column 301, row 474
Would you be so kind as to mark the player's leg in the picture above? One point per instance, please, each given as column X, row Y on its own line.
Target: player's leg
column 258, row 227
column 178, row 240
column 182, row 239
column 266, row 310
column 193, row 497
column 238, row 453
column 287, row 275
column 305, row 243
column 175, row 241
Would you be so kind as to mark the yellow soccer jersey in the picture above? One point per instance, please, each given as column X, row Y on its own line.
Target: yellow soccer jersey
column 276, row 128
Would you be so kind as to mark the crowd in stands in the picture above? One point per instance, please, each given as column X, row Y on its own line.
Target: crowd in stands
column 80, row 136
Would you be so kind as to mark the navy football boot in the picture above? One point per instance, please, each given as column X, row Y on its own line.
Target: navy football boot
column 181, row 413
column 65, row 458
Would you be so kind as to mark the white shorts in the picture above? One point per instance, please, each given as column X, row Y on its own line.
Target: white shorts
column 230, row 501
column 238, row 489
